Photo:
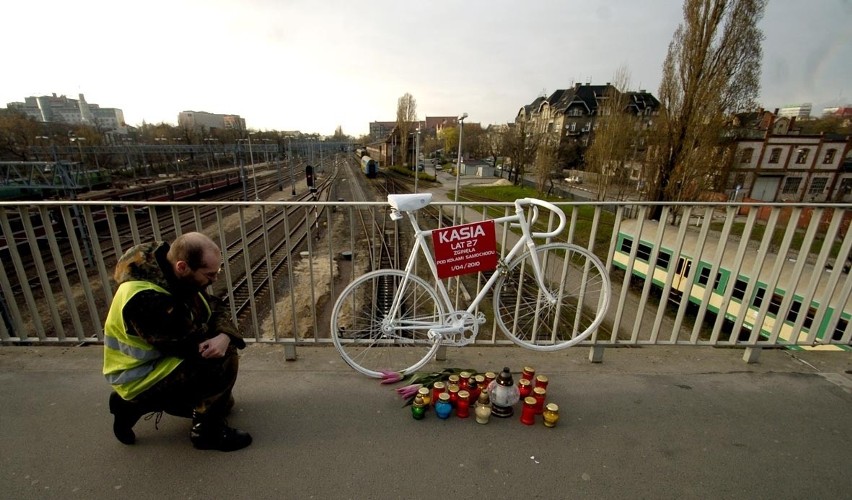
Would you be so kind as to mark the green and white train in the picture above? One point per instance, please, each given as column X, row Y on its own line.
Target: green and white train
column 794, row 303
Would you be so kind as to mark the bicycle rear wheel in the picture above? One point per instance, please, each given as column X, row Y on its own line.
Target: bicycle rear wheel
column 572, row 274
column 369, row 340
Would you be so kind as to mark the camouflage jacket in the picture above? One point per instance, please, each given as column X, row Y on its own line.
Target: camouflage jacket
column 173, row 324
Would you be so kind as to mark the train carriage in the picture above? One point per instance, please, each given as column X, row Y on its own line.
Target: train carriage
column 684, row 264
column 369, row 166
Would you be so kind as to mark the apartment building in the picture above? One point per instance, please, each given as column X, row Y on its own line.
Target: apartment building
column 62, row 109
column 781, row 165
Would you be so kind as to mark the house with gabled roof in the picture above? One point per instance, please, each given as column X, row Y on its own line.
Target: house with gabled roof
column 572, row 112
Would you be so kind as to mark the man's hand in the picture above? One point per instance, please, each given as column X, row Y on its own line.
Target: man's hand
column 215, row 347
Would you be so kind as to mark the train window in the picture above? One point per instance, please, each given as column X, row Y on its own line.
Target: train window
column 809, row 317
column 758, row 297
column 643, row 253
column 626, row 245
column 775, row 304
column 704, row 277
column 842, row 324
column 793, row 313
column 663, row 260
column 739, row 289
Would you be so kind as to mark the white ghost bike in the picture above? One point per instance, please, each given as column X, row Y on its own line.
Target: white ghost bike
column 546, row 297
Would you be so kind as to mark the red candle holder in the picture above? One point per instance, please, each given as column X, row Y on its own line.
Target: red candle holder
column 528, row 411
column 524, row 388
column 539, row 395
column 438, row 388
column 463, row 404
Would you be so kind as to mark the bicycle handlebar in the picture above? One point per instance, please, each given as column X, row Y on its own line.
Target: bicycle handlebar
column 535, row 203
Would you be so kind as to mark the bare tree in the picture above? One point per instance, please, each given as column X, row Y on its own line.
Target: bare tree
column 711, row 70
column 521, row 143
column 545, row 162
column 406, row 118
column 616, row 131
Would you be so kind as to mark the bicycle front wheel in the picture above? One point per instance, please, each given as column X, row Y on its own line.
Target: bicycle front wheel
column 574, row 276
column 370, row 338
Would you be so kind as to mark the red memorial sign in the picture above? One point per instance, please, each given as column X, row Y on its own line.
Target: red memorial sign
column 465, row 249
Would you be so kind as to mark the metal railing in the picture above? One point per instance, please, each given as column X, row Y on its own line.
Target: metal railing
column 731, row 275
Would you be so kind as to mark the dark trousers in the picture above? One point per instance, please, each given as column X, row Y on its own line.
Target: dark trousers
column 199, row 384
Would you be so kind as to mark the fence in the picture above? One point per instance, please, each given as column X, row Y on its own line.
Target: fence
column 774, row 284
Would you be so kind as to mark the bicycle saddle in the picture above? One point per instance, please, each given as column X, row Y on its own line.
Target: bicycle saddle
column 409, row 202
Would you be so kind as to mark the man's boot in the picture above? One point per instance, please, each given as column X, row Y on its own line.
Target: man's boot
column 211, row 432
column 127, row 413
column 186, row 410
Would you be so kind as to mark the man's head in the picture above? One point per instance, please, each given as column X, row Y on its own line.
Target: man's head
column 195, row 259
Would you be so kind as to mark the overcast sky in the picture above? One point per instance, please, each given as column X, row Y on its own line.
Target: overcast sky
column 312, row 65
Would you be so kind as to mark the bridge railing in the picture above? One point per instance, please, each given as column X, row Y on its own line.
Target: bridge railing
column 750, row 276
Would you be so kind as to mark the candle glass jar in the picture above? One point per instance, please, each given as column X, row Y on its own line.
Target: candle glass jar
column 443, row 408
column 474, row 390
column 453, row 380
column 528, row 411
column 464, row 381
column 418, row 408
column 550, row 414
column 437, row 389
column 463, row 405
column 541, row 381
column 528, row 373
column 524, row 388
column 424, row 393
column 539, row 394
column 489, row 377
column 483, row 408
column 453, row 390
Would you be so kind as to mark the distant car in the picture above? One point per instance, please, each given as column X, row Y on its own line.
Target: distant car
column 439, row 167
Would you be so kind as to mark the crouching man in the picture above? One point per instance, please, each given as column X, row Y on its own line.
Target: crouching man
column 169, row 346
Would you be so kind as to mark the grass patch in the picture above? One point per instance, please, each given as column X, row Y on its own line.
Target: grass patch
column 585, row 214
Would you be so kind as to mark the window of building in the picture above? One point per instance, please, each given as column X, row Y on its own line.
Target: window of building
column 572, row 126
column 818, row 185
column 775, row 155
column 802, row 156
column 829, row 156
column 626, row 245
column 745, row 156
column 791, row 185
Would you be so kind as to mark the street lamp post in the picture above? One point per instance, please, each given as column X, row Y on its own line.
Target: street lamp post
column 290, row 162
column 82, row 169
column 417, row 159
column 253, row 175
column 459, row 160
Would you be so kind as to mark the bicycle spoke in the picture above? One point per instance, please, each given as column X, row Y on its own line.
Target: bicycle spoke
column 573, row 276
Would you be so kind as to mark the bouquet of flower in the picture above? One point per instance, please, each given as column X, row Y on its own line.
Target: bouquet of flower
column 419, row 379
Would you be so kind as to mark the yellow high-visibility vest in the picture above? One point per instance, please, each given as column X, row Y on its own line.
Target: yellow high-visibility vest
column 132, row 365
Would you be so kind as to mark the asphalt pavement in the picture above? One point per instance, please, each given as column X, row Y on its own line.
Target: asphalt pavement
column 650, row 422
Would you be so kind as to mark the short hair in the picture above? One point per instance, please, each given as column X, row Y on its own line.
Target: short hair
column 191, row 247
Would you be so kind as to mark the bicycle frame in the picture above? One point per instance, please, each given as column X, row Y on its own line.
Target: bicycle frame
column 525, row 243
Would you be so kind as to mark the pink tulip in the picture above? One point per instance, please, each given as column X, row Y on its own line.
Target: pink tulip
column 408, row 391
column 390, row 377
